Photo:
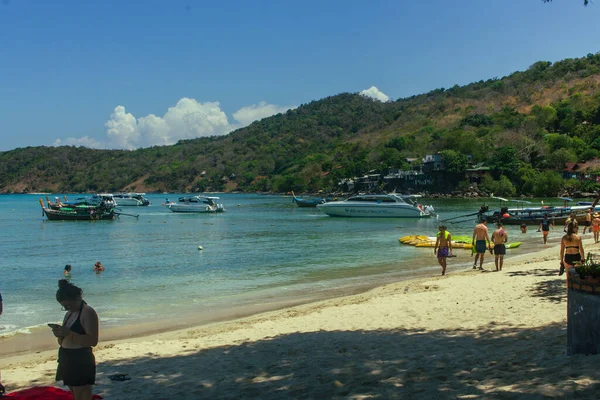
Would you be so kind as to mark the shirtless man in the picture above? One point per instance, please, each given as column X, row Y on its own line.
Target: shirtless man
column 499, row 237
column 588, row 220
column 480, row 233
column 443, row 247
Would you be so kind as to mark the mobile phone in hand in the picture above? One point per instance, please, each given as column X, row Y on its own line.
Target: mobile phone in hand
column 54, row 326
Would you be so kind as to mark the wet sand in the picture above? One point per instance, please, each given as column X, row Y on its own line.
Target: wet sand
column 468, row 335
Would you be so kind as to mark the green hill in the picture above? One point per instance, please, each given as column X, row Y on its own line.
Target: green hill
column 524, row 126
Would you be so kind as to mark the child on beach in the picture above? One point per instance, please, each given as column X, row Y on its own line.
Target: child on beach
column 443, row 247
column 67, row 271
column 499, row 238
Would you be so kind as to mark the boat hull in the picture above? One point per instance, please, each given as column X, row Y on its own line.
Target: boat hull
column 308, row 203
column 176, row 208
column 58, row 215
column 372, row 211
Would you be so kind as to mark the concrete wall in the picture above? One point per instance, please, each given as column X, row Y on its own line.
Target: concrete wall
column 583, row 322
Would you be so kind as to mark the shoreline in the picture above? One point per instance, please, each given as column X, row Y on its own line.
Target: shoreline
column 467, row 333
column 37, row 340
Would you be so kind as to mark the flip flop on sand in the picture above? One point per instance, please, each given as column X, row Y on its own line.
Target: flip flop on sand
column 119, row 377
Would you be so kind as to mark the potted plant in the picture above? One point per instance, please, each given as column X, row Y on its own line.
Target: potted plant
column 589, row 270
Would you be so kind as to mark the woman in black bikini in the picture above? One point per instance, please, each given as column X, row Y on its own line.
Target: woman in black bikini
column 571, row 248
column 76, row 337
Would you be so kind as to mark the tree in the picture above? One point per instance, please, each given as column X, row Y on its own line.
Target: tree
column 505, row 161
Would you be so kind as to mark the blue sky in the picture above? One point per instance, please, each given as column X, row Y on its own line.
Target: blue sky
column 129, row 74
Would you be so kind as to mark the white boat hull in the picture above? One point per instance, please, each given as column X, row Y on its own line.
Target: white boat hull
column 370, row 210
column 179, row 208
column 128, row 202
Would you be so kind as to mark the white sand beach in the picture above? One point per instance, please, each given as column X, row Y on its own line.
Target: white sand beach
column 468, row 335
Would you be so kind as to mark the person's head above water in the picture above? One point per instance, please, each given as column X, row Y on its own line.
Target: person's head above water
column 68, row 268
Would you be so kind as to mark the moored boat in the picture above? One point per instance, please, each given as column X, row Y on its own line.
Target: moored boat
column 307, row 202
column 534, row 215
column 131, row 199
column 377, row 205
column 196, row 204
column 63, row 212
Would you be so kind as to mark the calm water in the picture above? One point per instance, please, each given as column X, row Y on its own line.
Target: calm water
column 263, row 247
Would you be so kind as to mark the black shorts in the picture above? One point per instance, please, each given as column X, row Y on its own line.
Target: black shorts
column 588, row 223
column 571, row 259
column 76, row 367
column 499, row 249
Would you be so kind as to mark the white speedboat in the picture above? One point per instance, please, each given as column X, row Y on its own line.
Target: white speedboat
column 377, row 205
column 131, row 199
column 196, row 204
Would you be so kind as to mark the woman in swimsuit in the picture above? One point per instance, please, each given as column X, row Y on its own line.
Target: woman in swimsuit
column 76, row 337
column 571, row 248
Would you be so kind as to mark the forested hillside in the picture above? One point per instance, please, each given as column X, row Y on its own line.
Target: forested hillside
column 525, row 126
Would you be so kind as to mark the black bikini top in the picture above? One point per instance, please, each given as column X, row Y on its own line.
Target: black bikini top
column 76, row 326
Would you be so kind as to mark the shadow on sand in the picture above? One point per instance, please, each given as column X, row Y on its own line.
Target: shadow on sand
column 498, row 362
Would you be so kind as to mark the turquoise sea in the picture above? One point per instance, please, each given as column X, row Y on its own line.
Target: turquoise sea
column 262, row 252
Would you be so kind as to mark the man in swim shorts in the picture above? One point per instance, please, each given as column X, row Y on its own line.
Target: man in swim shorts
column 588, row 220
column 443, row 247
column 499, row 238
column 480, row 238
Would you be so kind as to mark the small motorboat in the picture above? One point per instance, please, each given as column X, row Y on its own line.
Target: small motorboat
column 196, row 204
column 377, row 205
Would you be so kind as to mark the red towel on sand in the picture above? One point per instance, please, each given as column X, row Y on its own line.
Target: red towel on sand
column 43, row 393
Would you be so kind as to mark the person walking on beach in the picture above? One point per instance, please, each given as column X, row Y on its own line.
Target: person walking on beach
column 588, row 220
column 480, row 238
column 596, row 226
column 443, row 247
column 499, row 238
column 76, row 337
column 545, row 226
column 571, row 248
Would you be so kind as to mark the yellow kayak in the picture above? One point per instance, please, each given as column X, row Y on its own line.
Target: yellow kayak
column 429, row 241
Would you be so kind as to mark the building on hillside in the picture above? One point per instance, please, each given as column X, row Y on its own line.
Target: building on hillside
column 399, row 180
column 477, row 172
column 433, row 162
column 589, row 170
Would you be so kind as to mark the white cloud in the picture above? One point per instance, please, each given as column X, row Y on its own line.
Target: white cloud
column 375, row 93
column 188, row 119
column 247, row 115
